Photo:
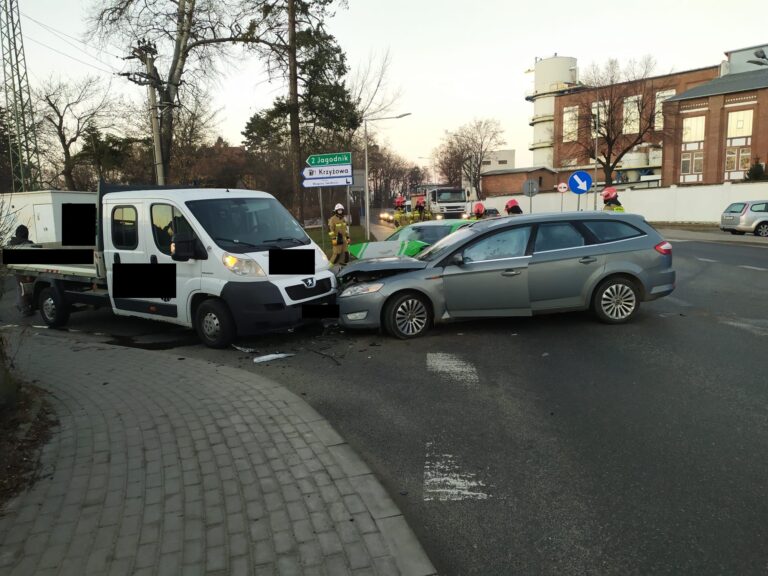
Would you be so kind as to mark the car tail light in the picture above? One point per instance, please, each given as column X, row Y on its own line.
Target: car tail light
column 664, row 248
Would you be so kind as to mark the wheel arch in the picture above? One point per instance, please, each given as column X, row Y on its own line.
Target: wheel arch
column 611, row 275
column 408, row 290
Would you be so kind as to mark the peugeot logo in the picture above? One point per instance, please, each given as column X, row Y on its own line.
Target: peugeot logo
column 309, row 282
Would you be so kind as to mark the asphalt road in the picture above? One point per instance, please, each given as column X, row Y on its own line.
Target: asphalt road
column 555, row 444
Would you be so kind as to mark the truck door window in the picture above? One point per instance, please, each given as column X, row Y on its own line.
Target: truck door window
column 125, row 230
column 167, row 221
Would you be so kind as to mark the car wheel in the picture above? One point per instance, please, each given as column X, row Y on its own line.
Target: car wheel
column 53, row 310
column 407, row 315
column 214, row 324
column 762, row 230
column 616, row 301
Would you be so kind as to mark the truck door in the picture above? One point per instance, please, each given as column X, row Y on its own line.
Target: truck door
column 45, row 231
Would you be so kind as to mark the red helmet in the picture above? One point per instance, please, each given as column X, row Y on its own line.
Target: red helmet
column 610, row 193
column 399, row 201
column 420, row 202
column 479, row 209
column 511, row 204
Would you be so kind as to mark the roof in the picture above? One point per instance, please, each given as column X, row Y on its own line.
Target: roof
column 517, row 171
column 728, row 84
column 181, row 194
column 729, row 52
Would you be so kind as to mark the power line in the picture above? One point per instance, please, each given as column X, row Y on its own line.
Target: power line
column 80, row 49
column 113, row 71
column 57, row 31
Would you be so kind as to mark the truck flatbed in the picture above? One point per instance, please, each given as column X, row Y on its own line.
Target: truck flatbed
column 76, row 272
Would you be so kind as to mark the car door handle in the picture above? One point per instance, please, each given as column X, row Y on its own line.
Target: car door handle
column 587, row 260
column 511, row 273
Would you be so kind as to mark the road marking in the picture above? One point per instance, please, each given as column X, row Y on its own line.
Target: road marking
column 454, row 368
column 754, row 268
column 444, row 480
column 705, row 259
column 756, row 327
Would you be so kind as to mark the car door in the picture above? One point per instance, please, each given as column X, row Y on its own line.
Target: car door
column 562, row 266
column 492, row 280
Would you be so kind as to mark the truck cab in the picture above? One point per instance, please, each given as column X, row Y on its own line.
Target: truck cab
column 447, row 203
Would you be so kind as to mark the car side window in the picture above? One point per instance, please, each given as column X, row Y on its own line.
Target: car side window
column 557, row 236
column 735, row 208
column 759, row 207
column 125, row 229
column 510, row 243
column 167, row 221
column 610, row 231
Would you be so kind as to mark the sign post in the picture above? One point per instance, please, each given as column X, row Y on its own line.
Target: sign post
column 562, row 188
column 579, row 182
column 530, row 189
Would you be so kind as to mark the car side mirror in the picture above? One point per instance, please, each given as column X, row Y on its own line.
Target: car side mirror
column 458, row 259
column 182, row 247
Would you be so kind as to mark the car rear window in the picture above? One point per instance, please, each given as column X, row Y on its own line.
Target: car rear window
column 759, row 207
column 607, row 231
column 735, row 208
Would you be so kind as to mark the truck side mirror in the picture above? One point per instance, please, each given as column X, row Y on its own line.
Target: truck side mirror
column 182, row 247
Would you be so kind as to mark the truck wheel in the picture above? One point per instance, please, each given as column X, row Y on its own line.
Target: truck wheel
column 407, row 315
column 214, row 324
column 53, row 310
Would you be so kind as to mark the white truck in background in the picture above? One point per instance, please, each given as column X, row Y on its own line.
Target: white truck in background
column 447, row 203
column 220, row 242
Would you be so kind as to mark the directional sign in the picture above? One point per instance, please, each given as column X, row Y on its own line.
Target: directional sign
column 328, row 171
column 334, row 159
column 318, row 182
column 530, row 188
column 562, row 187
column 580, row 182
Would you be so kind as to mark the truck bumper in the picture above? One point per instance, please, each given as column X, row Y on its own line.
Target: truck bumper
column 258, row 307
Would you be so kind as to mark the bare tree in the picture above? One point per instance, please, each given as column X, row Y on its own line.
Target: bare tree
column 473, row 142
column 67, row 111
column 449, row 161
column 369, row 86
column 616, row 111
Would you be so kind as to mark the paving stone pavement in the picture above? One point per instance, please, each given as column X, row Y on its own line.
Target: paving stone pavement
column 171, row 465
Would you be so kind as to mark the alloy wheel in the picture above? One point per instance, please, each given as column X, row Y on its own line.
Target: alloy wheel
column 618, row 301
column 411, row 317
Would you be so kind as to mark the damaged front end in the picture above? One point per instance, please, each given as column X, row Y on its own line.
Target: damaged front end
column 376, row 269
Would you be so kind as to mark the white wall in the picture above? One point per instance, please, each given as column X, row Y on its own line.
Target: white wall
column 702, row 204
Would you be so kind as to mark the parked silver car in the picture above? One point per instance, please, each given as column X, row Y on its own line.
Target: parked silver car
column 516, row 266
column 748, row 216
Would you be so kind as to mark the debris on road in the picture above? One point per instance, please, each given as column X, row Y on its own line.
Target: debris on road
column 243, row 349
column 269, row 357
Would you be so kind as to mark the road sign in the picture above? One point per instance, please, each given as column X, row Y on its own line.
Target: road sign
column 579, row 182
column 334, row 159
column 562, row 187
column 530, row 188
column 318, row 182
column 328, row 171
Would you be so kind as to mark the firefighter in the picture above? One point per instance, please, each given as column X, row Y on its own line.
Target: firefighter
column 611, row 200
column 399, row 212
column 513, row 208
column 419, row 214
column 478, row 211
column 339, row 233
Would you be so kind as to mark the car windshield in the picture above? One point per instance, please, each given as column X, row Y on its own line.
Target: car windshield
column 245, row 224
column 426, row 234
column 450, row 196
column 444, row 246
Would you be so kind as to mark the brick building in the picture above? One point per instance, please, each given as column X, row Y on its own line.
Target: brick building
column 575, row 109
column 718, row 129
column 510, row 181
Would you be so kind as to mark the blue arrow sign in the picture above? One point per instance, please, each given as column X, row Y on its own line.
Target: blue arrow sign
column 579, row 182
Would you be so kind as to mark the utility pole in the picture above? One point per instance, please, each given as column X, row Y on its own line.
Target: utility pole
column 145, row 52
column 22, row 138
column 293, row 105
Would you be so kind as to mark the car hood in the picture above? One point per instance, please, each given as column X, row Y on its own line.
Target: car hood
column 392, row 263
column 371, row 250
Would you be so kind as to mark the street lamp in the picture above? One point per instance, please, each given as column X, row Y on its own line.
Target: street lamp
column 367, row 197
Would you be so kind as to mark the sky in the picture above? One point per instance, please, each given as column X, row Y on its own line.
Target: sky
column 452, row 61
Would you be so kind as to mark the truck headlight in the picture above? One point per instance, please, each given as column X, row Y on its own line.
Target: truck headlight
column 363, row 288
column 439, row 217
column 242, row 266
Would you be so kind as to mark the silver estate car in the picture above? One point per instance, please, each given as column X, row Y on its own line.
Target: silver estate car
column 513, row 266
column 748, row 216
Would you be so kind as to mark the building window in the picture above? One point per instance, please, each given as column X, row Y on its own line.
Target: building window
column 631, row 118
column 599, row 116
column 740, row 123
column 661, row 95
column 693, row 129
column 698, row 162
column 744, row 158
column 486, row 162
column 570, row 123
column 502, row 161
column 730, row 159
column 685, row 163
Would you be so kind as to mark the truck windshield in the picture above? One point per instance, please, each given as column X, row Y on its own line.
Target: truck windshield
column 451, row 196
column 246, row 224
